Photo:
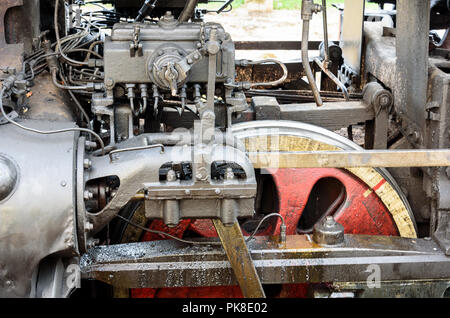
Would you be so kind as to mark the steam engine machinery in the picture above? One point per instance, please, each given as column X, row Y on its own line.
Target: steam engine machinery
column 140, row 158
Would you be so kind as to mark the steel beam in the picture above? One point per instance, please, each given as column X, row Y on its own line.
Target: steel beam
column 275, row 45
column 160, row 264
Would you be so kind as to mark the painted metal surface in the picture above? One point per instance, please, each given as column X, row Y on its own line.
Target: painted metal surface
column 38, row 218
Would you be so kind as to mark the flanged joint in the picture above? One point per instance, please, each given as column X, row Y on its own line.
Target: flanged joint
column 328, row 232
column 309, row 8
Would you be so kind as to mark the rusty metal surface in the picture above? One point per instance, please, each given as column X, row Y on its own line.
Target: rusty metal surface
column 11, row 54
column 47, row 102
column 174, row 264
column 270, row 72
column 243, row 268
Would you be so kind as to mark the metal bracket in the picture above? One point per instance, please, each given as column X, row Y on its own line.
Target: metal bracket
column 136, row 45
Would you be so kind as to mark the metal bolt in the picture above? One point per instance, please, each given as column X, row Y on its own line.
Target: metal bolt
column 109, row 83
column 87, row 163
column 63, row 183
column 385, row 101
column 217, row 191
column 171, row 176
column 330, row 221
column 201, row 174
column 187, row 191
column 88, row 226
column 90, row 144
column 229, row 174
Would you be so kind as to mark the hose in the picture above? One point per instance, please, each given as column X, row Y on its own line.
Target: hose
column 307, row 66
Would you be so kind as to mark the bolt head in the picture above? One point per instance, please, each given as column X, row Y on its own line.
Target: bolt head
column 329, row 221
column 87, row 163
column 384, row 100
column 88, row 226
column 171, row 176
column 201, row 174
column 109, row 83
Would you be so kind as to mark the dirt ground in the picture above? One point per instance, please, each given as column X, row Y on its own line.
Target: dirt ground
column 245, row 24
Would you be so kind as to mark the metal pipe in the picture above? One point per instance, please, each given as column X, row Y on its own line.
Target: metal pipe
column 146, row 9
column 277, row 82
column 73, row 88
column 333, row 78
column 135, row 149
column 325, row 32
column 307, row 66
column 188, row 11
